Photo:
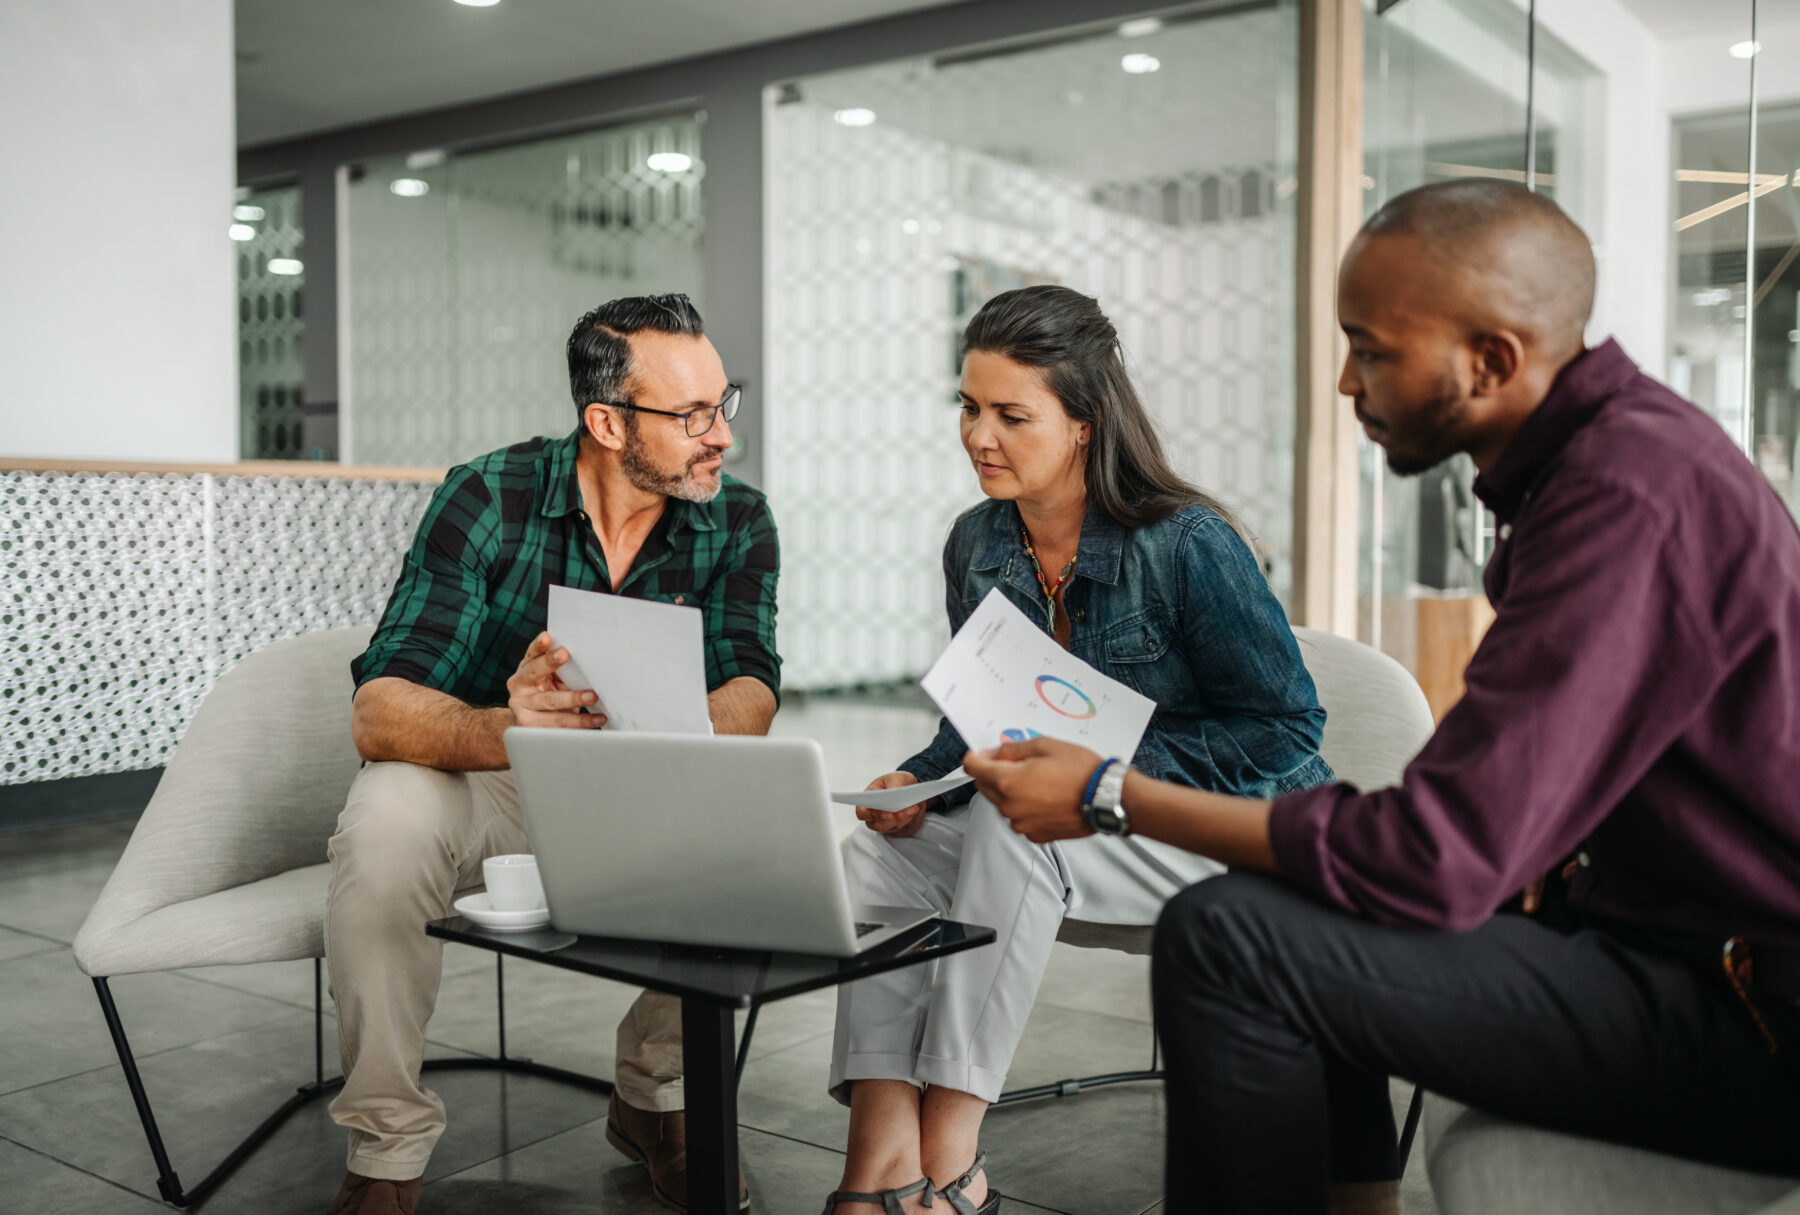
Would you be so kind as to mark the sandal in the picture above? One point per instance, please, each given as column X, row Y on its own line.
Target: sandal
column 959, row 1202
column 888, row 1199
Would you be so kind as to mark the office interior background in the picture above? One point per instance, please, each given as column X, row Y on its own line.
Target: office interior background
column 272, row 268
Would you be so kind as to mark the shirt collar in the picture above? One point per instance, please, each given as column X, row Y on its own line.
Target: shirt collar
column 1097, row 557
column 559, row 488
column 1581, row 388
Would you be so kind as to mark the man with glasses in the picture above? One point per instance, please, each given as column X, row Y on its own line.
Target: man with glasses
column 633, row 502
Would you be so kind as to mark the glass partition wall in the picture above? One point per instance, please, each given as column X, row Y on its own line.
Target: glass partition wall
column 1149, row 165
column 271, row 279
column 467, row 271
column 1453, row 90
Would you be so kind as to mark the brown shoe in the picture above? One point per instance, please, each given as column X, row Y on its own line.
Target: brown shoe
column 361, row 1195
column 659, row 1143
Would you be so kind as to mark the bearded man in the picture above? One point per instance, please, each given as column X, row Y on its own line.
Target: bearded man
column 634, row 503
column 1624, row 757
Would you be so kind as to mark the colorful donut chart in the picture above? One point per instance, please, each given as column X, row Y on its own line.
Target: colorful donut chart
column 1065, row 698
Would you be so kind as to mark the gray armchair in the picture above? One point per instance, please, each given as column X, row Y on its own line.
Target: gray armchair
column 227, row 863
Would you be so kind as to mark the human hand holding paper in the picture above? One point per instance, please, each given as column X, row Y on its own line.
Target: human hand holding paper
column 644, row 660
column 899, row 797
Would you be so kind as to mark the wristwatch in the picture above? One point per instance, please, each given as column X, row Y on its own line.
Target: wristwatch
column 1102, row 811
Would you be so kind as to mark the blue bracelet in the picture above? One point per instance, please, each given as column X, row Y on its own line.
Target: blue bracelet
column 1087, row 799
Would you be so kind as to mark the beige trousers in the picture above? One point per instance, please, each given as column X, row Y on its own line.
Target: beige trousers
column 408, row 840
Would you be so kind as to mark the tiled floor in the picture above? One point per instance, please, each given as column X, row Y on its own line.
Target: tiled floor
column 220, row 1047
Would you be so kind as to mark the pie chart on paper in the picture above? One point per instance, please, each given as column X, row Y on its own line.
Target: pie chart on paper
column 1065, row 698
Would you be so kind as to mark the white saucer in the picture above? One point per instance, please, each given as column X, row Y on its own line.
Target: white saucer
column 478, row 909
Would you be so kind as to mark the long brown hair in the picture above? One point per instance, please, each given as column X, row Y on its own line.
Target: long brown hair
column 1064, row 334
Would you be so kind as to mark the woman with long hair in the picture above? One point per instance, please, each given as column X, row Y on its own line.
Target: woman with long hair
column 1147, row 579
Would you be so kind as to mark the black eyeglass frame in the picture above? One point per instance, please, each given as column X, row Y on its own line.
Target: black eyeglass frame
column 728, row 407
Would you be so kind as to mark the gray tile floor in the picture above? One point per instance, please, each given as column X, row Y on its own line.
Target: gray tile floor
column 220, row 1047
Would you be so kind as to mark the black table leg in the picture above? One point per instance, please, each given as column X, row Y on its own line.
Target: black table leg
column 707, row 1032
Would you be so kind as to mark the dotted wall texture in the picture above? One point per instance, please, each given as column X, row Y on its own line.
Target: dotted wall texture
column 126, row 596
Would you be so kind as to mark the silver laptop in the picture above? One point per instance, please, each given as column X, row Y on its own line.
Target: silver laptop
column 724, row 840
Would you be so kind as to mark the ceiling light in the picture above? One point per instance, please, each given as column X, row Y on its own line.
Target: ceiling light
column 285, row 265
column 1745, row 50
column 478, row 3
column 1140, row 26
column 670, row 162
column 242, row 232
column 855, row 116
column 246, row 213
column 428, row 158
column 408, row 187
column 1140, row 65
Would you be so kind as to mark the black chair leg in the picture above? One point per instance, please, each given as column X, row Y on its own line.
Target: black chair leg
column 1412, row 1126
column 1068, row 1088
column 168, row 1183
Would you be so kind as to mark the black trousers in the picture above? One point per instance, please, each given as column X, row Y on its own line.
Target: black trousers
column 1282, row 1018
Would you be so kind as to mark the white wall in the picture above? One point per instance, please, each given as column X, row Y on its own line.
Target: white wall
column 118, row 309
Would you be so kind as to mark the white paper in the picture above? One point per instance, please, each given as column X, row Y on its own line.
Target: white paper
column 905, row 795
column 1003, row 679
column 644, row 659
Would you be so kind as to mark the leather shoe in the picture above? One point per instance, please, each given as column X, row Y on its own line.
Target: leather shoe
column 361, row 1195
column 658, row 1141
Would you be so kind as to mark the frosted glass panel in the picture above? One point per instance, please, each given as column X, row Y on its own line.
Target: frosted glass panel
column 902, row 196
column 467, row 273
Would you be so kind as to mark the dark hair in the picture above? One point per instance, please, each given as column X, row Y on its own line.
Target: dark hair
column 599, row 349
column 1064, row 334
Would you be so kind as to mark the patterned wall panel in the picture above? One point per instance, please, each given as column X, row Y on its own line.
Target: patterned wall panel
column 271, row 323
column 464, row 286
column 126, row 596
column 902, row 196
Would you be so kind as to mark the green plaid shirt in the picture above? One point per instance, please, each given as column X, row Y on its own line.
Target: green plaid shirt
column 503, row 529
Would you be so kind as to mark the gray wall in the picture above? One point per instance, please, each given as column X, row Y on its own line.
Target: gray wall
column 728, row 85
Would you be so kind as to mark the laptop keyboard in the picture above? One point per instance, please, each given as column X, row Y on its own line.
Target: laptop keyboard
column 864, row 927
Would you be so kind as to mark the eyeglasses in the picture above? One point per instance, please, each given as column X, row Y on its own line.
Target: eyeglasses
column 696, row 421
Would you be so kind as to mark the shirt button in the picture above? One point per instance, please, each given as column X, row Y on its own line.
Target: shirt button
column 1506, row 531
column 1581, row 858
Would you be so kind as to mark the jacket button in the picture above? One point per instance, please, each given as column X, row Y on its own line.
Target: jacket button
column 1149, row 643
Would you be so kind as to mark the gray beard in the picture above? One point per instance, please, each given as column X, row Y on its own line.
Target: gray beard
column 652, row 480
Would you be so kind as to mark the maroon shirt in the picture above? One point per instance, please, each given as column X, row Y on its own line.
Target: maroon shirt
column 1636, row 701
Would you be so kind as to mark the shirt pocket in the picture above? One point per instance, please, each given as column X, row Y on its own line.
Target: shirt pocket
column 1138, row 651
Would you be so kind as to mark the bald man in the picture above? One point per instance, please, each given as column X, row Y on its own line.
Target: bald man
column 1626, row 755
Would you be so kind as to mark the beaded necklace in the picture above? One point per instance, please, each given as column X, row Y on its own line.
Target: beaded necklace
column 1062, row 579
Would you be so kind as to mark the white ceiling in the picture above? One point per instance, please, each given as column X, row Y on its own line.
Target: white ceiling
column 321, row 64
column 1691, row 18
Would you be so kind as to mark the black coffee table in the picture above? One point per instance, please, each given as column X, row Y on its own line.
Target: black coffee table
column 713, row 984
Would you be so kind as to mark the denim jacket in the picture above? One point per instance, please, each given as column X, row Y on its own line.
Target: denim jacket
column 1179, row 611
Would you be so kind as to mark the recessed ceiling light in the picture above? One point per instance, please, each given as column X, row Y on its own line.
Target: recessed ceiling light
column 478, row 3
column 670, row 162
column 1140, row 65
column 246, row 213
column 427, row 158
column 242, row 232
column 285, row 265
column 855, row 116
column 408, row 187
column 1140, row 26
column 1745, row 50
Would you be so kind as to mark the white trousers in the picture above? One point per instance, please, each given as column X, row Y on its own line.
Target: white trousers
column 958, row 1021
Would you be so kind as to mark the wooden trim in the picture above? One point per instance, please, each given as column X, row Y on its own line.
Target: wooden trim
column 1330, row 171
column 315, row 470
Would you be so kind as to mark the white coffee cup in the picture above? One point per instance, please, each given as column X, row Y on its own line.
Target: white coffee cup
column 513, row 883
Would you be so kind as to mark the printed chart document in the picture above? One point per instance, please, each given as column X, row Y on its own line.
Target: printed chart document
column 1004, row 679
column 905, row 795
column 644, row 659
